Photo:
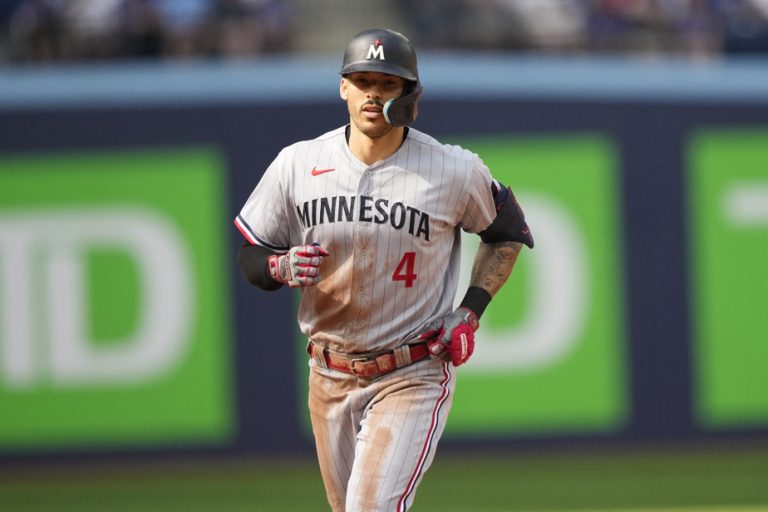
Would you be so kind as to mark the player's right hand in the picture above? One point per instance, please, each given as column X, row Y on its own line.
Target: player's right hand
column 300, row 266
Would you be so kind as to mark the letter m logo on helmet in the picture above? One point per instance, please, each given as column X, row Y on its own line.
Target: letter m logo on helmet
column 376, row 50
column 362, row 55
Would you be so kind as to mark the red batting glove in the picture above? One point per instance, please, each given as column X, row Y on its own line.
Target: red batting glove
column 300, row 266
column 452, row 337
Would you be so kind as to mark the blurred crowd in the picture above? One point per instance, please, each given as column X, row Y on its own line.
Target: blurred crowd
column 687, row 27
column 47, row 30
column 71, row 30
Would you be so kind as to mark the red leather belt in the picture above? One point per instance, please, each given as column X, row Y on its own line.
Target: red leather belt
column 368, row 365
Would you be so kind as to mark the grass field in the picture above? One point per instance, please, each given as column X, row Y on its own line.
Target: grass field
column 641, row 480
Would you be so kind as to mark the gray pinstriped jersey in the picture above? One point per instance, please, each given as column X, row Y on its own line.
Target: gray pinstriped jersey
column 391, row 229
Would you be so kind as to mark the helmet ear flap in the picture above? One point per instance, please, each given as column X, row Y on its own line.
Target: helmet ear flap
column 403, row 110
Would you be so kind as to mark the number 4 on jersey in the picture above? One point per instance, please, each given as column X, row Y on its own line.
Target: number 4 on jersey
column 404, row 270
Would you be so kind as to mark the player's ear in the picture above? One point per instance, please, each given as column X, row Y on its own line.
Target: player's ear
column 343, row 88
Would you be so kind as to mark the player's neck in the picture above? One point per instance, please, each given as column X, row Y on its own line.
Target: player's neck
column 371, row 150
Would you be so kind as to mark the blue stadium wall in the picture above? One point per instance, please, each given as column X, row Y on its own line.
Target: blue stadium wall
column 247, row 111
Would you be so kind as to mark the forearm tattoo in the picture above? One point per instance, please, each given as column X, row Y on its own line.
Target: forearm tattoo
column 493, row 264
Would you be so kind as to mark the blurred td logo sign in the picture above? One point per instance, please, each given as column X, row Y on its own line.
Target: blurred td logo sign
column 43, row 289
column 112, row 300
column 557, row 300
column 550, row 352
column 728, row 214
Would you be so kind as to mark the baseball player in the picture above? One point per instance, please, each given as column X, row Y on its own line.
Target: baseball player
column 364, row 220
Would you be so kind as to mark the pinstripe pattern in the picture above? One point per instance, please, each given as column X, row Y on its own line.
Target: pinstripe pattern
column 358, row 306
column 391, row 229
column 427, row 452
column 376, row 439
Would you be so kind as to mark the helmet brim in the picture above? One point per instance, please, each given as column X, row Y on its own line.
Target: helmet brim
column 380, row 67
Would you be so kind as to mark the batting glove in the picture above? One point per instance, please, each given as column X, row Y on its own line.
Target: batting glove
column 452, row 337
column 300, row 266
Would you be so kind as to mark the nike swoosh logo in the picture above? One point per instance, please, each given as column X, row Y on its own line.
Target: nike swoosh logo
column 318, row 172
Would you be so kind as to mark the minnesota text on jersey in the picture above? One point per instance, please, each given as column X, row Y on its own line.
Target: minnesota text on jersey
column 361, row 209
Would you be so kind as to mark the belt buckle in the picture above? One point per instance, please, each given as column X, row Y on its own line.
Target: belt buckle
column 359, row 367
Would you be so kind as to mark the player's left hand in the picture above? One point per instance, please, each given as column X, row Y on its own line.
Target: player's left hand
column 300, row 266
column 452, row 337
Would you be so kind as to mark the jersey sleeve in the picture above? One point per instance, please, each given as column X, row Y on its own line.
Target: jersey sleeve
column 480, row 209
column 262, row 220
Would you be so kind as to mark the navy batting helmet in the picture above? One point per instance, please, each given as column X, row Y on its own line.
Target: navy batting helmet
column 387, row 51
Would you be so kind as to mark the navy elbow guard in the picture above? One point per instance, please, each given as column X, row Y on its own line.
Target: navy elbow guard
column 509, row 224
column 253, row 263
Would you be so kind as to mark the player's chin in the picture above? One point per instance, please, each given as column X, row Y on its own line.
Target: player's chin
column 374, row 127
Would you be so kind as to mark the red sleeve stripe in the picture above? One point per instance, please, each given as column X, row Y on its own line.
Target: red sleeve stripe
column 249, row 235
column 243, row 228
